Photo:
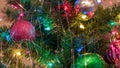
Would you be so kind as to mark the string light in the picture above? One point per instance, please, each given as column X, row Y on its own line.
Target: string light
column 84, row 16
column 17, row 52
column 50, row 64
column 47, row 28
column 110, row 2
column 98, row 1
column 0, row 18
column 82, row 26
column 112, row 23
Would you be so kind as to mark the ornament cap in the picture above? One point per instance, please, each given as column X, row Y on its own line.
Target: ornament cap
column 21, row 15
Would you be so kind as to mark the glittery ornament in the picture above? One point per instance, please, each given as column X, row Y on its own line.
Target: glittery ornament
column 113, row 54
column 22, row 30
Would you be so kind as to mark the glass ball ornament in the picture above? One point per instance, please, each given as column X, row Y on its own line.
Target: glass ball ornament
column 89, row 60
column 85, row 6
column 22, row 30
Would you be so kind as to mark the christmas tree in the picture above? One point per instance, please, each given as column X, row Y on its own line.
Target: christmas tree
column 60, row 34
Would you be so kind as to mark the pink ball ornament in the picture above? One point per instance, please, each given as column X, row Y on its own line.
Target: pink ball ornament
column 113, row 54
column 22, row 30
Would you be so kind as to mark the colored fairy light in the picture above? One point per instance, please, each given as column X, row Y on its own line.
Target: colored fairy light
column 84, row 16
column 113, row 32
column 65, row 8
column 85, row 12
column 112, row 23
column 0, row 18
column 99, row 1
column 49, row 64
column 48, row 28
column 21, row 14
column 18, row 53
column 8, row 38
column 110, row 2
column 79, row 49
column 82, row 26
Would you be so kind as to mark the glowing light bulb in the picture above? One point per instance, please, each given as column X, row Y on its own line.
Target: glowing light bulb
column 99, row 1
column 66, row 8
column 110, row 2
column 50, row 64
column 21, row 14
column 18, row 53
column 82, row 26
column 113, row 32
column 47, row 28
column 84, row 17
column 0, row 17
column 113, row 23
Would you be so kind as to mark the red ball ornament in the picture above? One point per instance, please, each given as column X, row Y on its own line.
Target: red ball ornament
column 22, row 30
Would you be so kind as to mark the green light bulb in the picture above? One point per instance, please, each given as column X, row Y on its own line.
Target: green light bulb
column 112, row 23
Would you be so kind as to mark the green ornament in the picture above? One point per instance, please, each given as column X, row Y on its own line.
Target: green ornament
column 89, row 60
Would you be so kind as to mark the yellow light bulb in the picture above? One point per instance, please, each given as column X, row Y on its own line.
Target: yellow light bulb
column 18, row 53
column 84, row 17
column 82, row 26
